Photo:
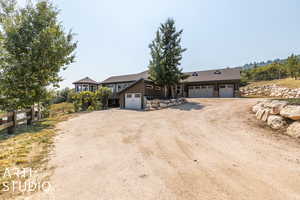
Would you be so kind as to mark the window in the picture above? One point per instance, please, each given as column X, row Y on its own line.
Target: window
column 137, row 95
column 217, row 72
column 222, row 86
column 149, row 86
column 85, row 88
column 203, row 87
column 191, row 87
column 197, row 87
column 128, row 95
column 157, row 88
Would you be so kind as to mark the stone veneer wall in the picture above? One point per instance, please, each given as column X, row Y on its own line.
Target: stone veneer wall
column 158, row 104
column 279, row 115
column 270, row 91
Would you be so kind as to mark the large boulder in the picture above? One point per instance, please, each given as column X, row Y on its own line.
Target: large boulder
column 294, row 130
column 265, row 115
column 276, row 122
column 257, row 107
column 163, row 105
column 291, row 111
column 260, row 114
column 277, row 106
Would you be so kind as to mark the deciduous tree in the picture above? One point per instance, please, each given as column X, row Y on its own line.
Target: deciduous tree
column 34, row 48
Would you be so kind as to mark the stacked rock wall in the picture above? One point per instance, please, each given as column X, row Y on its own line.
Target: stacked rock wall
column 270, row 91
column 158, row 104
column 279, row 115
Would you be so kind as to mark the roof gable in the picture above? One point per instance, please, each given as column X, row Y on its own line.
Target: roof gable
column 86, row 80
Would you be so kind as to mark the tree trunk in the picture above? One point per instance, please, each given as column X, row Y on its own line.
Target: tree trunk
column 166, row 91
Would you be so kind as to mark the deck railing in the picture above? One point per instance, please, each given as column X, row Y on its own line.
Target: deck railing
column 11, row 120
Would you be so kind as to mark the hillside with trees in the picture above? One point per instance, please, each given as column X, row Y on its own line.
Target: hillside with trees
column 288, row 68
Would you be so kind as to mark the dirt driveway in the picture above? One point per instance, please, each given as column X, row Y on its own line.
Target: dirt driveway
column 206, row 149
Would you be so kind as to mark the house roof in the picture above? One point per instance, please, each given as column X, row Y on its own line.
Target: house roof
column 199, row 76
column 214, row 75
column 131, row 85
column 127, row 78
column 86, row 80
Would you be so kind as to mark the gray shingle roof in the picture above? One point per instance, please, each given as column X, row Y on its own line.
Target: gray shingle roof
column 127, row 78
column 214, row 75
column 86, row 80
column 202, row 76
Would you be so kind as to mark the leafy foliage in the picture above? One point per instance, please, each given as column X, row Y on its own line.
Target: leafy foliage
column 85, row 101
column 102, row 95
column 89, row 101
column 166, row 56
column 34, row 48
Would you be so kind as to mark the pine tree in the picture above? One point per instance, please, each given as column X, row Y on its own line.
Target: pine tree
column 166, row 56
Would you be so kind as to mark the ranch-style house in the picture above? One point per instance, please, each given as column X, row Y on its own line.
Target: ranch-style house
column 131, row 91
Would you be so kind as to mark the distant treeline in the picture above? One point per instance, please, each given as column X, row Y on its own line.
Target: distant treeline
column 289, row 67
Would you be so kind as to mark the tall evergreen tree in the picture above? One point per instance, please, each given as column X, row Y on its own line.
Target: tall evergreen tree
column 34, row 48
column 166, row 55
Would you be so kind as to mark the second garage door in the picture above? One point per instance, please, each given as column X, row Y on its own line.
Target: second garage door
column 226, row 91
column 203, row 91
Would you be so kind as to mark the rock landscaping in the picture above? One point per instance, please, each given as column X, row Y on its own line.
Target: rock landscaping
column 158, row 104
column 270, row 91
column 279, row 115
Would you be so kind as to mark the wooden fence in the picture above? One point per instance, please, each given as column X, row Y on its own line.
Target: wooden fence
column 11, row 120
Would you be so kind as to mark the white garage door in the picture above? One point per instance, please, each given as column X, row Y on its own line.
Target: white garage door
column 203, row 91
column 133, row 101
column 226, row 91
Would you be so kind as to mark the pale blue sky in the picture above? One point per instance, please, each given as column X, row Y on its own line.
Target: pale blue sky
column 114, row 35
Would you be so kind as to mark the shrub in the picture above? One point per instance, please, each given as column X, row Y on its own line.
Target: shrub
column 103, row 94
column 85, row 101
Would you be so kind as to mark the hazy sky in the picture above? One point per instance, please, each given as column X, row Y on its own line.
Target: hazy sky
column 114, row 35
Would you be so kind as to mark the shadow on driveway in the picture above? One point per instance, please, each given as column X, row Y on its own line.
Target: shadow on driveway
column 188, row 106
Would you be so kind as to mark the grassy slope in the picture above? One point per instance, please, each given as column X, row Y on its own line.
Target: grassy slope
column 288, row 82
column 30, row 145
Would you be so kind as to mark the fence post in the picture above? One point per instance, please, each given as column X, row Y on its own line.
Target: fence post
column 30, row 116
column 13, row 119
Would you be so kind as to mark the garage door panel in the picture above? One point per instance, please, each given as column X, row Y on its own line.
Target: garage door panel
column 204, row 91
column 133, row 101
column 226, row 91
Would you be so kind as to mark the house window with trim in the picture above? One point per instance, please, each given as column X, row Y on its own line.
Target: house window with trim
column 149, row 87
column 157, row 88
column 85, row 87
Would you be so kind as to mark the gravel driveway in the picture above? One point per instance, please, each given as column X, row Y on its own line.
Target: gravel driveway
column 205, row 149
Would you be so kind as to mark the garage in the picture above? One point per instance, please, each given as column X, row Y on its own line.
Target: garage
column 133, row 101
column 202, row 91
column 226, row 91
